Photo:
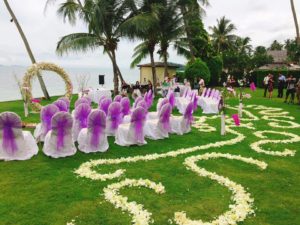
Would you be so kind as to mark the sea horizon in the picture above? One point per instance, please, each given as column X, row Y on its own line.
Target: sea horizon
column 9, row 90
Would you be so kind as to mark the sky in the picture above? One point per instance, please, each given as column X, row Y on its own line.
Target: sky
column 263, row 21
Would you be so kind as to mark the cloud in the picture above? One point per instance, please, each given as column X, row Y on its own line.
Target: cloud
column 262, row 20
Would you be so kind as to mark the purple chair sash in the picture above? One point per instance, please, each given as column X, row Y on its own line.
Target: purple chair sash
column 118, row 98
column 143, row 104
column 97, row 125
column 66, row 100
column 163, row 102
column 81, row 114
column 149, row 98
column 125, row 103
column 115, row 115
column 164, row 117
column 172, row 98
column 137, row 100
column 47, row 113
column 104, row 105
column 62, row 106
column 8, row 122
column 188, row 115
column 61, row 123
column 137, row 120
column 80, row 101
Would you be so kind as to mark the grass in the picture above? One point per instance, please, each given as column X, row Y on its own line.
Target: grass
column 46, row 191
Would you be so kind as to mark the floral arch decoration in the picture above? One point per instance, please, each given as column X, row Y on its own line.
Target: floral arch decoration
column 32, row 72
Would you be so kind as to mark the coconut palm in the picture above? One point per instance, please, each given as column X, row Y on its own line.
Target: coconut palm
column 243, row 45
column 171, row 29
column 222, row 34
column 190, row 10
column 143, row 25
column 103, row 18
column 28, row 49
column 296, row 22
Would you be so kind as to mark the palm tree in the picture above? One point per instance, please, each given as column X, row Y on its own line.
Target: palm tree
column 104, row 19
column 143, row 25
column 28, row 49
column 222, row 34
column 296, row 22
column 170, row 30
column 243, row 45
column 190, row 10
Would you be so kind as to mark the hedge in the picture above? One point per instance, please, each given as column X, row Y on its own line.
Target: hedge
column 259, row 75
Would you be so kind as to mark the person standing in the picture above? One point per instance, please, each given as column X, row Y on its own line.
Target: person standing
column 270, row 86
column 201, row 85
column 298, row 91
column 281, row 83
column 291, row 89
column 265, row 83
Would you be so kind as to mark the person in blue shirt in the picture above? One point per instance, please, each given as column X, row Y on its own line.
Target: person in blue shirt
column 281, row 84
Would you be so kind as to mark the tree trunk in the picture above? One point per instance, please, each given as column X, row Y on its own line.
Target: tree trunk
column 166, row 74
column 187, row 31
column 43, row 86
column 153, row 70
column 116, row 79
column 296, row 22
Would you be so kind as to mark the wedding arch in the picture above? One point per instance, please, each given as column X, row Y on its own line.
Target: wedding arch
column 32, row 72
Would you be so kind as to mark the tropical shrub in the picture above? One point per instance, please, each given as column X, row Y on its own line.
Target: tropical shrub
column 197, row 69
column 215, row 65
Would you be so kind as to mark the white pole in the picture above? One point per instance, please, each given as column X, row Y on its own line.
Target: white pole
column 223, row 129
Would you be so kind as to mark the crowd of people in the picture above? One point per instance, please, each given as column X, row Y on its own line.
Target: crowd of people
column 290, row 83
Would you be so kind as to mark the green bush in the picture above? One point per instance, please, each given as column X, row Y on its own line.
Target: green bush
column 259, row 75
column 215, row 65
column 197, row 69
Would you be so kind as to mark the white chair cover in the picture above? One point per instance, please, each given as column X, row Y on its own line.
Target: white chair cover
column 23, row 145
column 182, row 124
column 96, row 120
column 154, row 128
column 125, row 135
column 61, row 123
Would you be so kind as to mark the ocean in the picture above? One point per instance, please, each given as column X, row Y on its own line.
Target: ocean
column 9, row 89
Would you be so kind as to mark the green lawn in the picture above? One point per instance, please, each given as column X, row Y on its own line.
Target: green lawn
column 47, row 191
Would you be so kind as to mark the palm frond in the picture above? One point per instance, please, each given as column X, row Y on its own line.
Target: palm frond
column 78, row 42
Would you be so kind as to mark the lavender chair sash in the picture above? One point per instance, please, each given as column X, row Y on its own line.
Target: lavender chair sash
column 61, row 123
column 66, row 100
column 171, row 97
column 118, row 98
column 137, row 120
column 62, row 106
column 208, row 93
column 80, row 101
column 104, row 105
column 143, row 104
column 164, row 117
column 149, row 98
column 81, row 114
column 137, row 100
column 115, row 115
column 164, row 101
column 188, row 115
column 125, row 103
column 195, row 101
column 9, row 123
column 47, row 113
column 96, row 126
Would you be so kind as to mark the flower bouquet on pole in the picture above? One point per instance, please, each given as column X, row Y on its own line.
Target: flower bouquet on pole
column 222, row 109
column 24, row 94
